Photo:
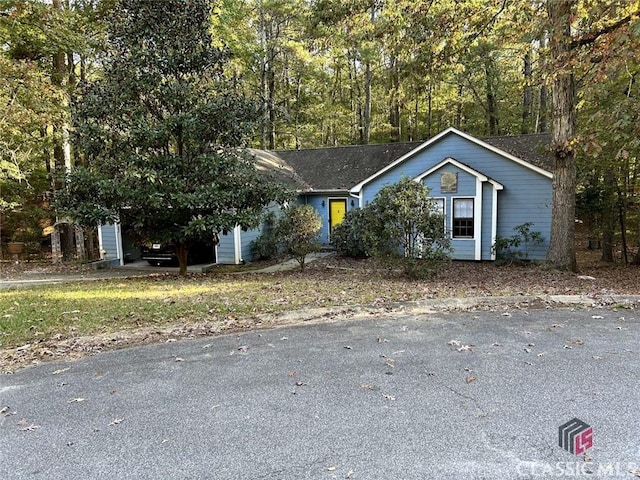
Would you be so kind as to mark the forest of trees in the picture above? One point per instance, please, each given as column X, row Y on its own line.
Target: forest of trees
column 339, row 72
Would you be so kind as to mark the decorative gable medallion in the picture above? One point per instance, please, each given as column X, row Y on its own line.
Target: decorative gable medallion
column 449, row 182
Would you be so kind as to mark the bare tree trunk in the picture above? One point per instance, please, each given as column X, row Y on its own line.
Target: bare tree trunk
column 527, row 94
column 608, row 217
column 542, row 113
column 492, row 103
column 544, row 94
column 182, row 252
column 414, row 132
column 368, row 79
column 62, row 243
column 623, row 231
column 265, row 66
column 429, row 108
column 459, row 106
column 272, row 109
column 562, row 253
column 394, row 102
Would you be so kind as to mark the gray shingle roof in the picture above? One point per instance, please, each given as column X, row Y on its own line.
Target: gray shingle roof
column 532, row 148
column 340, row 168
column 271, row 163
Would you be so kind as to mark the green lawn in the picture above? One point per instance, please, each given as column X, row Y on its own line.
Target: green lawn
column 103, row 306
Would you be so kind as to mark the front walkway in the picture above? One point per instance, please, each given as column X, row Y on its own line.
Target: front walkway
column 41, row 275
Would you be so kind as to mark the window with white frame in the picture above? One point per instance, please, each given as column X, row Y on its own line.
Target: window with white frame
column 462, row 218
column 438, row 205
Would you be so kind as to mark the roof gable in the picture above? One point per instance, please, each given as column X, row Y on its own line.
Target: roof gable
column 441, row 135
column 341, row 169
column 461, row 166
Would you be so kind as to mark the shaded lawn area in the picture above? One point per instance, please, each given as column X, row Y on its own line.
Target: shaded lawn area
column 57, row 321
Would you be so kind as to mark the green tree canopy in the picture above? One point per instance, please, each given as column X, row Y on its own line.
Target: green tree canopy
column 159, row 134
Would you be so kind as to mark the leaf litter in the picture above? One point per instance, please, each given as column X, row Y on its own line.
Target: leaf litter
column 320, row 285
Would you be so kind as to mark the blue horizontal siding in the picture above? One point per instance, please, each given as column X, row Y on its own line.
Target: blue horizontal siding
column 225, row 251
column 323, row 211
column 109, row 241
column 463, row 249
column 487, row 207
column 526, row 196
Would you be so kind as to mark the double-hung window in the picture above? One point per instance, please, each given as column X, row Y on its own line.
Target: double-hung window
column 463, row 218
column 438, row 205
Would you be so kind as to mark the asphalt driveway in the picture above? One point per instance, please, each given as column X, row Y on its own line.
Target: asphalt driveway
column 435, row 396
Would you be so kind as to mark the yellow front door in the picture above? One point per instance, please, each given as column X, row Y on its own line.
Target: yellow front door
column 337, row 211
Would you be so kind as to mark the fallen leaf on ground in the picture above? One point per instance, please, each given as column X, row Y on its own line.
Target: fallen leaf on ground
column 29, row 428
column 470, row 379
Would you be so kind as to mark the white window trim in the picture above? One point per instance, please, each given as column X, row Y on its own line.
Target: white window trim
column 444, row 203
column 119, row 249
column 477, row 225
column 100, row 241
column 444, row 210
column 237, row 245
column 494, row 220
